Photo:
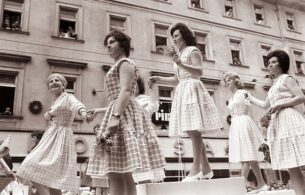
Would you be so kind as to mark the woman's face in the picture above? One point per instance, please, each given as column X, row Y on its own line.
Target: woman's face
column 178, row 40
column 230, row 83
column 274, row 66
column 55, row 85
column 114, row 48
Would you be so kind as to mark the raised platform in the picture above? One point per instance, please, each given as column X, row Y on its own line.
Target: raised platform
column 226, row 186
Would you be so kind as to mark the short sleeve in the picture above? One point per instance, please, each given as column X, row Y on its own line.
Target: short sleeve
column 196, row 51
column 74, row 104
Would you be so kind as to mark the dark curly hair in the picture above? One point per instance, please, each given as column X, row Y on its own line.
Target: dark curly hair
column 122, row 38
column 282, row 57
column 141, row 85
column 186, row 34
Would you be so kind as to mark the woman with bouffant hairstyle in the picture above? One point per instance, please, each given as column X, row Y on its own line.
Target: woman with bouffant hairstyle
column 245, row 137
column 51, row 166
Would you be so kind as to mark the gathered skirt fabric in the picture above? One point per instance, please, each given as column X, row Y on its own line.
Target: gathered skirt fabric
column 53, row 161
column 193, row 109
column 244, row 140
column 286, row 137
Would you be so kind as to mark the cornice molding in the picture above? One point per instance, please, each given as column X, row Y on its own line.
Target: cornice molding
column 68, row 64
column 14, row 57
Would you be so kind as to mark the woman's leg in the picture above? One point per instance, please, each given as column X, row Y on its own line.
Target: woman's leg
column 42, row 189
column 297, row 180
column 205, row 166
column 130, row 184
column 197, row 151
column 245, row 168
column 55, row 191
column 258, row 174
column 117, row 184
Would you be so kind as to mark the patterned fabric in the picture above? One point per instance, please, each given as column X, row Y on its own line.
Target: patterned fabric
column 192, row 106
column 286, row 132
column 135, row 145
column 245, row 137
column 53, row 161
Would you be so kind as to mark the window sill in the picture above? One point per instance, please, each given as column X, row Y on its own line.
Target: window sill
column 198, row 9
column 234, row 18
column 14, row 31
column 11, row 117
column 242, row 66
column 293, row 31
column 168, row 2
column 263, row 25
column 66, row 39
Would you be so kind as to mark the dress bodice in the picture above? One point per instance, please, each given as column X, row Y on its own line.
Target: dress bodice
column 279, row 91
column 239, row 103
column 112, row 80
column 185, row 57
column 63, row 110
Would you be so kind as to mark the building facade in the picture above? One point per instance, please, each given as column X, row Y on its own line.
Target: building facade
column 39, row 37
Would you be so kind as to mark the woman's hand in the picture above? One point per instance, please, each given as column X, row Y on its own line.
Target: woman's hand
column 176, row 58
column 275, row 108
column 112, row 127
column 91, row 114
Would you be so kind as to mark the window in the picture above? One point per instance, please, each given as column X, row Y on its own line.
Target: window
column 161, row 117
column 68, row 23
column 229, row 8
column 161, row 34
column 265, row 51
column 290, row 21
column 7, row 91
column 117, row 23
column 12, row 14
column 202, row 44
column 259, row 14
column 235, row 46
column 71, row 85
column 299, row 61
column 197, row 4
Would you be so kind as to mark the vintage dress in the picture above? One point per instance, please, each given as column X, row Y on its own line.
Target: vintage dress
column 135, row 145
column 192, row 106
column 53, row 161
column 286, row 132
column 245, row 137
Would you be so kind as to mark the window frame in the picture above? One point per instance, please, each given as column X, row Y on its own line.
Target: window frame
column 209, row 53
column 127, row 26
column 203, row 5
column 293, row 19
column 262, row 55
column 302, row 60
column 154, row 24
column 241, row 51
column 233, row 6
column 24, row 20
column 261, row 7
column 78, row 20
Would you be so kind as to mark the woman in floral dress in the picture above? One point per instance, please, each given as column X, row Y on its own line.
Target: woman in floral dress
column 134, row 144
column 51, row 166
column 286, row 131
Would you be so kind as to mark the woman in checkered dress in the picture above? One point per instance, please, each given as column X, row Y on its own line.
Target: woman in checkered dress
column 51, row 165
column 286, row 131
column 134, row 146
column 193, row 110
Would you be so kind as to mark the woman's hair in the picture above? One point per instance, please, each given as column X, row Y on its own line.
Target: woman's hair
column 186, row 33
column 122, row 38
column 141, row 85
column 60, row 77
column 234, row 76
column 282, row 57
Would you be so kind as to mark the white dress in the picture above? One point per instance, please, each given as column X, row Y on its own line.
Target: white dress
column 193, row 109
column 53, row 161
column 286, row 132
column 245, row 137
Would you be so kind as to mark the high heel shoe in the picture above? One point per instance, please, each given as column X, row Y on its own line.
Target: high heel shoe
column 209, row 175
column 193, row 178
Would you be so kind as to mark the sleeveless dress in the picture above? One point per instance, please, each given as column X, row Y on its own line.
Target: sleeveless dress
column 135, row 145
column 245, row 137
column 286, row 132
column 192, row 107
column 53, row 161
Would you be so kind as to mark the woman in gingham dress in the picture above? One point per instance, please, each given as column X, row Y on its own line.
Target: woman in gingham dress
column 193, row 110
column 51, row 165
column 134, row 144
column 286, row 131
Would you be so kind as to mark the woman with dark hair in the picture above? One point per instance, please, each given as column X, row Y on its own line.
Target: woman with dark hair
column 286, row 131
column 193, row 110
column 245, row 137
column 134, row 147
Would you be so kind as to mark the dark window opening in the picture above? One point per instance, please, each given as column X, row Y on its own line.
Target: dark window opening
column 229, row 11
column 299, row 65
column 266, row 61
column 290, row 24
column 7, row 100
column 235, row 57
column 160, row 41
column 67, row 29
column 202, row 48
column 196, row 3
column 11, row 20
column 259, row 18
